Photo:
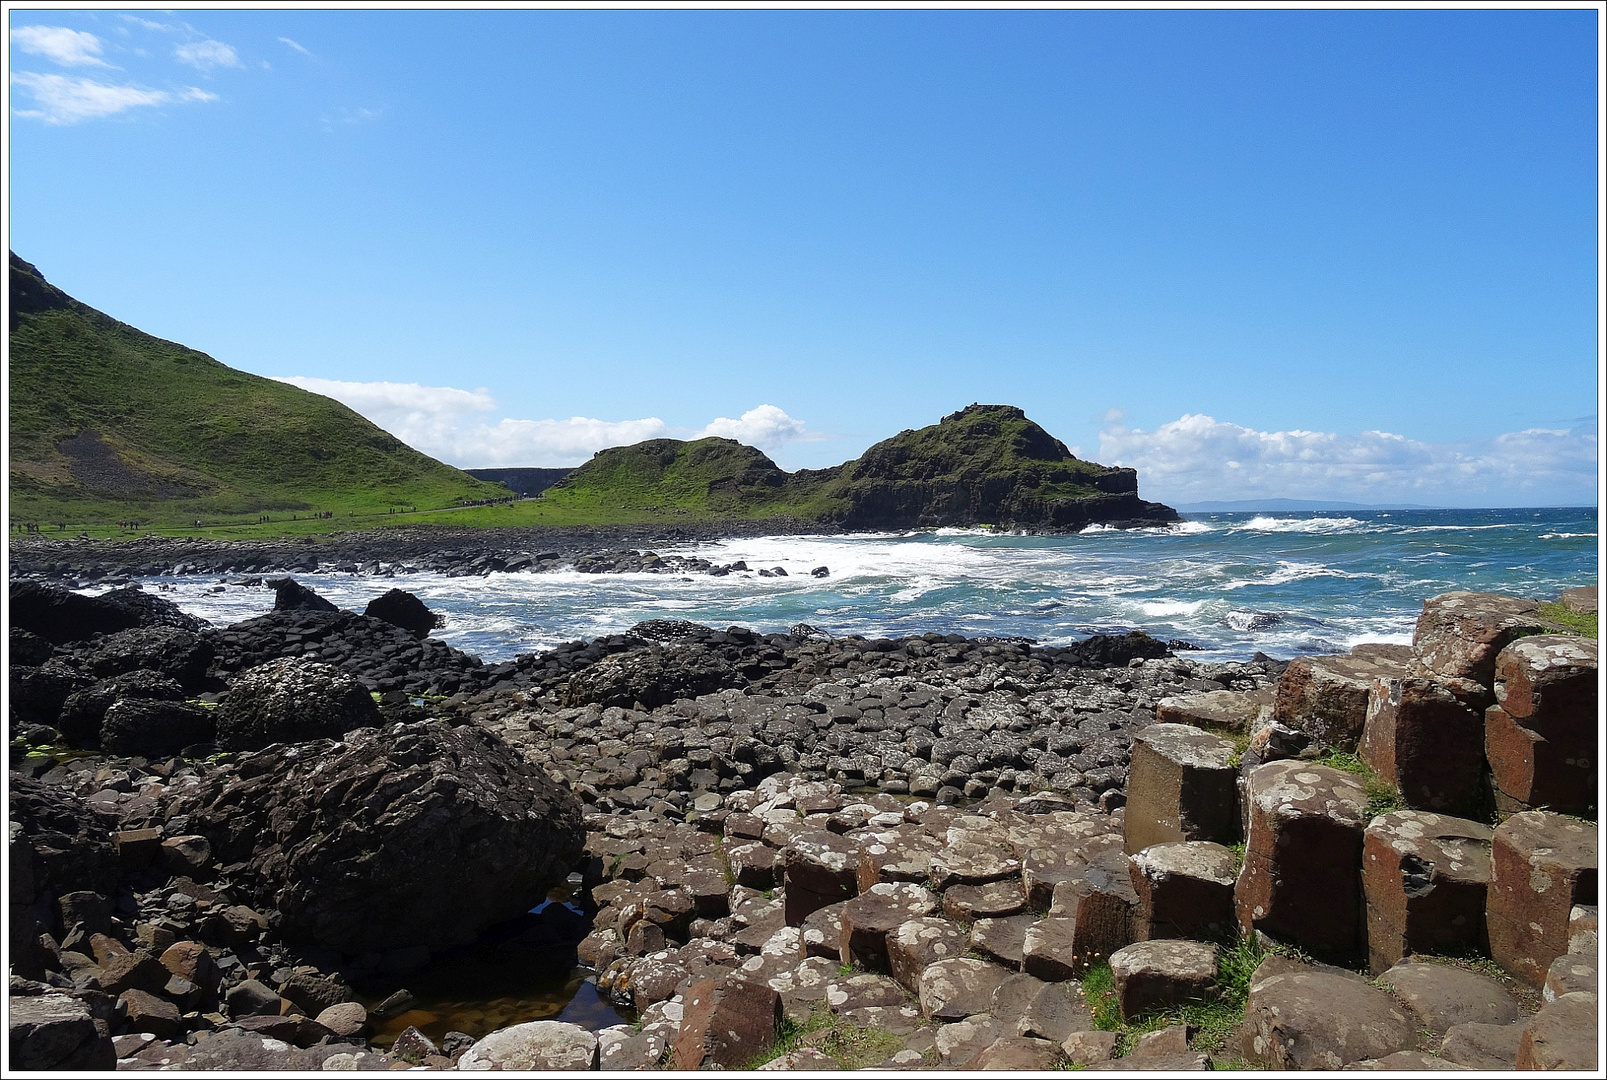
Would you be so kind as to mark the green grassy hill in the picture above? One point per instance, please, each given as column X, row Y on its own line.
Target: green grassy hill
column 986, row 464
column 109, row 423
column 706, row 478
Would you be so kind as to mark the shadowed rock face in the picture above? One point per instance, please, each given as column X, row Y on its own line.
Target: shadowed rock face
column 417, row 834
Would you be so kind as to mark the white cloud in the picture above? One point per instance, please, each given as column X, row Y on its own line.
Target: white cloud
column 1197, row 458
column 64, row 99
column 452, row 425
column 298, row 46
column 765, row 427
column 207, row 54
column 69, row 48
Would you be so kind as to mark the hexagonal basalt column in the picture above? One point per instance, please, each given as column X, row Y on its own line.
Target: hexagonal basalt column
column 1301, row 880
column 1541, row 865
column 1424, row 876
column 1159, row 974
column 1540, row 736
column 1326, row 696
column 872, row 915
column 1185, row 890
column 1459, row 634
column 1427, row 741
column 820, row 868
column 1181, row 785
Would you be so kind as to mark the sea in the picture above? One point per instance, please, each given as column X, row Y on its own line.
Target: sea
column 1231, row 584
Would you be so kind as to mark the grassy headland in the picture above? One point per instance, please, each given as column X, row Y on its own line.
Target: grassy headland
column 113, row 430
column 111, row 424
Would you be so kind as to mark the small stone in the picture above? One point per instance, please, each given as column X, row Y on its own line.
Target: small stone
column 1089, row 1047
column 1570, row 973
column 1169, row 1041
column 1487, row 1047
column 1016, row 1053
column 1443, row 996
column 346, row 1019
column 539, row 1046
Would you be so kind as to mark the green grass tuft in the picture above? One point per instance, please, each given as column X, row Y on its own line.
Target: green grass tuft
column 852, row 1047
column 1214, row 1020
column 1580, row 625
column 1382, row 796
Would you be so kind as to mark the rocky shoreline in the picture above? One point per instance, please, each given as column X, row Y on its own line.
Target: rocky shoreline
column 233, row 847
column 444, row 550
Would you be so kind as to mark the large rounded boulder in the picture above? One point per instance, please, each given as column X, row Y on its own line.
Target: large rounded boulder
column 179, row 654
column 69, row 842
column 414, row 834
column 38, row 693
column 403, row 609
column 293, row 700
column 60, row 616
column 150, row 609
column 654, row 676
column 153, row 728
column 83, row 711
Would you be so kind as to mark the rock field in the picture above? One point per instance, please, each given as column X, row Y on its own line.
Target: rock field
column 230, row 846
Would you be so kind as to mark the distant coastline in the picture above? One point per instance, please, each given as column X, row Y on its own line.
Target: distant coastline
column 1248, row 506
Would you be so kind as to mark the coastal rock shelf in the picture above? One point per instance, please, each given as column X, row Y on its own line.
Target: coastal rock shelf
column 923, row 852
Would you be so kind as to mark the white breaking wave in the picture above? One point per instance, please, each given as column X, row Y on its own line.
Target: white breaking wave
column 1261, row 523
column 1175, row 583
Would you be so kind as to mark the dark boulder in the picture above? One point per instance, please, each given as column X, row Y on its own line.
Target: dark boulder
column 654, row 676
column 1116, row 650
column 150, row 609
column 154, row 728
column 403, row 609
column 56, row 1031
column 292, row 700
column 83, row 711
column 415, row 834
column 290, row 596
column 179, row 654
column 38, row 693
column 60, row 616
column 70, row 842
column 29, row 648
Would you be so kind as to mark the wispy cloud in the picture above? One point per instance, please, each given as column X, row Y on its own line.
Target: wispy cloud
column 69, row 48
column 206, row 54
column 65, row 99
column 349, row 116
column 298, row 46
column 147, row 23
column 1198, row 458
column 451, row 424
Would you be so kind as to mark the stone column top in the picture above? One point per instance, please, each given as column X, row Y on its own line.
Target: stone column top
column 1296, row 788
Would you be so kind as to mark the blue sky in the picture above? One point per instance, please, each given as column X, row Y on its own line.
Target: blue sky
column 1320, row 254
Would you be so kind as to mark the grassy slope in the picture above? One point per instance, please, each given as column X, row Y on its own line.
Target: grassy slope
column 216, row 440
column 188, row 438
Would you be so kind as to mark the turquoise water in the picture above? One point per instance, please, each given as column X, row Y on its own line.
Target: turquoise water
column 1233, row 584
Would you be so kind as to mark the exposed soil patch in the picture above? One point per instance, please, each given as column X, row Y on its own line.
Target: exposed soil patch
column 96, row 464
